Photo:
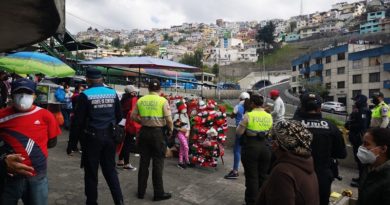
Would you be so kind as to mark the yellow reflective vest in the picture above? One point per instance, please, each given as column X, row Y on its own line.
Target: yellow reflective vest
column 259, row 121
column 377, row 111
column 151, row 107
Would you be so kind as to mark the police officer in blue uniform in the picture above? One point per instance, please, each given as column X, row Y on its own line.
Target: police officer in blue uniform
column 328, row 142
column 97, row 109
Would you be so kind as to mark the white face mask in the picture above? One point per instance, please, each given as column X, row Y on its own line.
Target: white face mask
column 23, row 102
column 184, row 111
column 366, row 156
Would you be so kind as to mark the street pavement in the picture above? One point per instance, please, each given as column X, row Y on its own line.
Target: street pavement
column 191, row 186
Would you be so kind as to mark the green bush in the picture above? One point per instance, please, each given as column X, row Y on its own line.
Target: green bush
column 334, row 121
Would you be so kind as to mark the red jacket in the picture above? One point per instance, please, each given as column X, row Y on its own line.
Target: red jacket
column 132, row 127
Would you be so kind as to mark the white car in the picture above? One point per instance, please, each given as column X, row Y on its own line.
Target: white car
column 333, row 107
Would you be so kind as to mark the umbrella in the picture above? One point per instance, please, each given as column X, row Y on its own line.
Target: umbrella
column 25, row 22
column 138, row 62
column 34, row 63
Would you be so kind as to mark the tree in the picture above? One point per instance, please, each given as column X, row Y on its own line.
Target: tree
column 116, row 43
column 266, row 34
column 127, row 47
column 198, row 55
column 316, row 88
column 193, row 59
column 166, row 36
column 215, row 69
column 150, row 50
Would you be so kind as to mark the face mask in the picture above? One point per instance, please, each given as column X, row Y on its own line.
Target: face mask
column 184, row 111
column 23, row 101
column 366, row 156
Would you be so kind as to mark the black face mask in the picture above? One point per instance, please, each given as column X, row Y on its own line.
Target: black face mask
column 375, row 101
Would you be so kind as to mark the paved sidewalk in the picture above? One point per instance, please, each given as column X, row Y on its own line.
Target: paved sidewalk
column 204, row 186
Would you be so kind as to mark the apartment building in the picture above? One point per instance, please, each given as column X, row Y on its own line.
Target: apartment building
column 345, row 70
column 374, row 22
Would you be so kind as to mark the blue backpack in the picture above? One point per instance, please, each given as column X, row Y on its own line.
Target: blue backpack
column 60, row 94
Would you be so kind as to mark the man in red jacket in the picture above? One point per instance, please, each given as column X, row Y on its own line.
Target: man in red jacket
column 27, row 130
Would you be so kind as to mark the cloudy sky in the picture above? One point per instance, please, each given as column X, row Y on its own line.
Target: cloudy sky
column 147, row 14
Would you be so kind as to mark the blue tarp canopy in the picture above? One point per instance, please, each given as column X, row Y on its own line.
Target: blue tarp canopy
column 138, row 62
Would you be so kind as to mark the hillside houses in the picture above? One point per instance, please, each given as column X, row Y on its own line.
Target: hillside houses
column 225, row 42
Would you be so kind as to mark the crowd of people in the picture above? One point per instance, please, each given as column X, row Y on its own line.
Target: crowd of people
column 286, row 161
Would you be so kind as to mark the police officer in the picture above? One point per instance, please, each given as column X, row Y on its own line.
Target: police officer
column 153, row 113
column 97, row 109
column 357, row 124
column 255, row 155
column 380, row 113
column 327, row 144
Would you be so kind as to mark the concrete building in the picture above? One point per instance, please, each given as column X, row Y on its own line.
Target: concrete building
column 308, row 31
column 373, row 22
column 292, row 37
column 345, row 70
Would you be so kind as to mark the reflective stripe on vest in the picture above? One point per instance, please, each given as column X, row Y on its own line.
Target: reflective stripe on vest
column 150, row 107
column 377, row 111
column 259, row 121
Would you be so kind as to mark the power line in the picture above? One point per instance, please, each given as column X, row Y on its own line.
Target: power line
column 86, row 21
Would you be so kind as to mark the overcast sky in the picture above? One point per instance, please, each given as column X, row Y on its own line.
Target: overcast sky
column 147, row 14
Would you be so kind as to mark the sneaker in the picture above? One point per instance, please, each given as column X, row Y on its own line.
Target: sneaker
column 129, row 167
column 136, row 155
column 182, row 166
column 70, row 153
column 232, row 175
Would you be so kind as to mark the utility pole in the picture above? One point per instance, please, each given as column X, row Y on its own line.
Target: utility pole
column 263, row 76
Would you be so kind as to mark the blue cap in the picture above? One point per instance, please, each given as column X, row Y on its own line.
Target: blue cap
column 93, row 73
column 23, row 83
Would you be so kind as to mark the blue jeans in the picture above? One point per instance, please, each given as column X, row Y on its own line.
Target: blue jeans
column 32, row 190
column 237, row 153
column 66, row 115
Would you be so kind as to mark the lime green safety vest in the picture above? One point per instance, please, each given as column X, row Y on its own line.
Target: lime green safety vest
column 377, row 111
column 259, row 121
column 151, row 107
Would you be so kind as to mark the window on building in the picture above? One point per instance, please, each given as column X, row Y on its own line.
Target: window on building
column 300, row 66
column 374, row 77
column 318, row 60
column 341, row 56
column 356, row 92
column 357, row 79
column 327, row 59
column 340, row 70
column 294, row 68
column 307, row 64
column 372, row 91
column 356, row 64
column 374, row 61
column 341, row 84
column 328, row 85
column 328, row 72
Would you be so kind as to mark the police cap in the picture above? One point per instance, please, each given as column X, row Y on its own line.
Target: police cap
column 311, row 101
column 93, row 73
column 154, row 85
column 377, row 94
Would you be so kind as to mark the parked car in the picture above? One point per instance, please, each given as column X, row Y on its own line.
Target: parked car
column 333, row 107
